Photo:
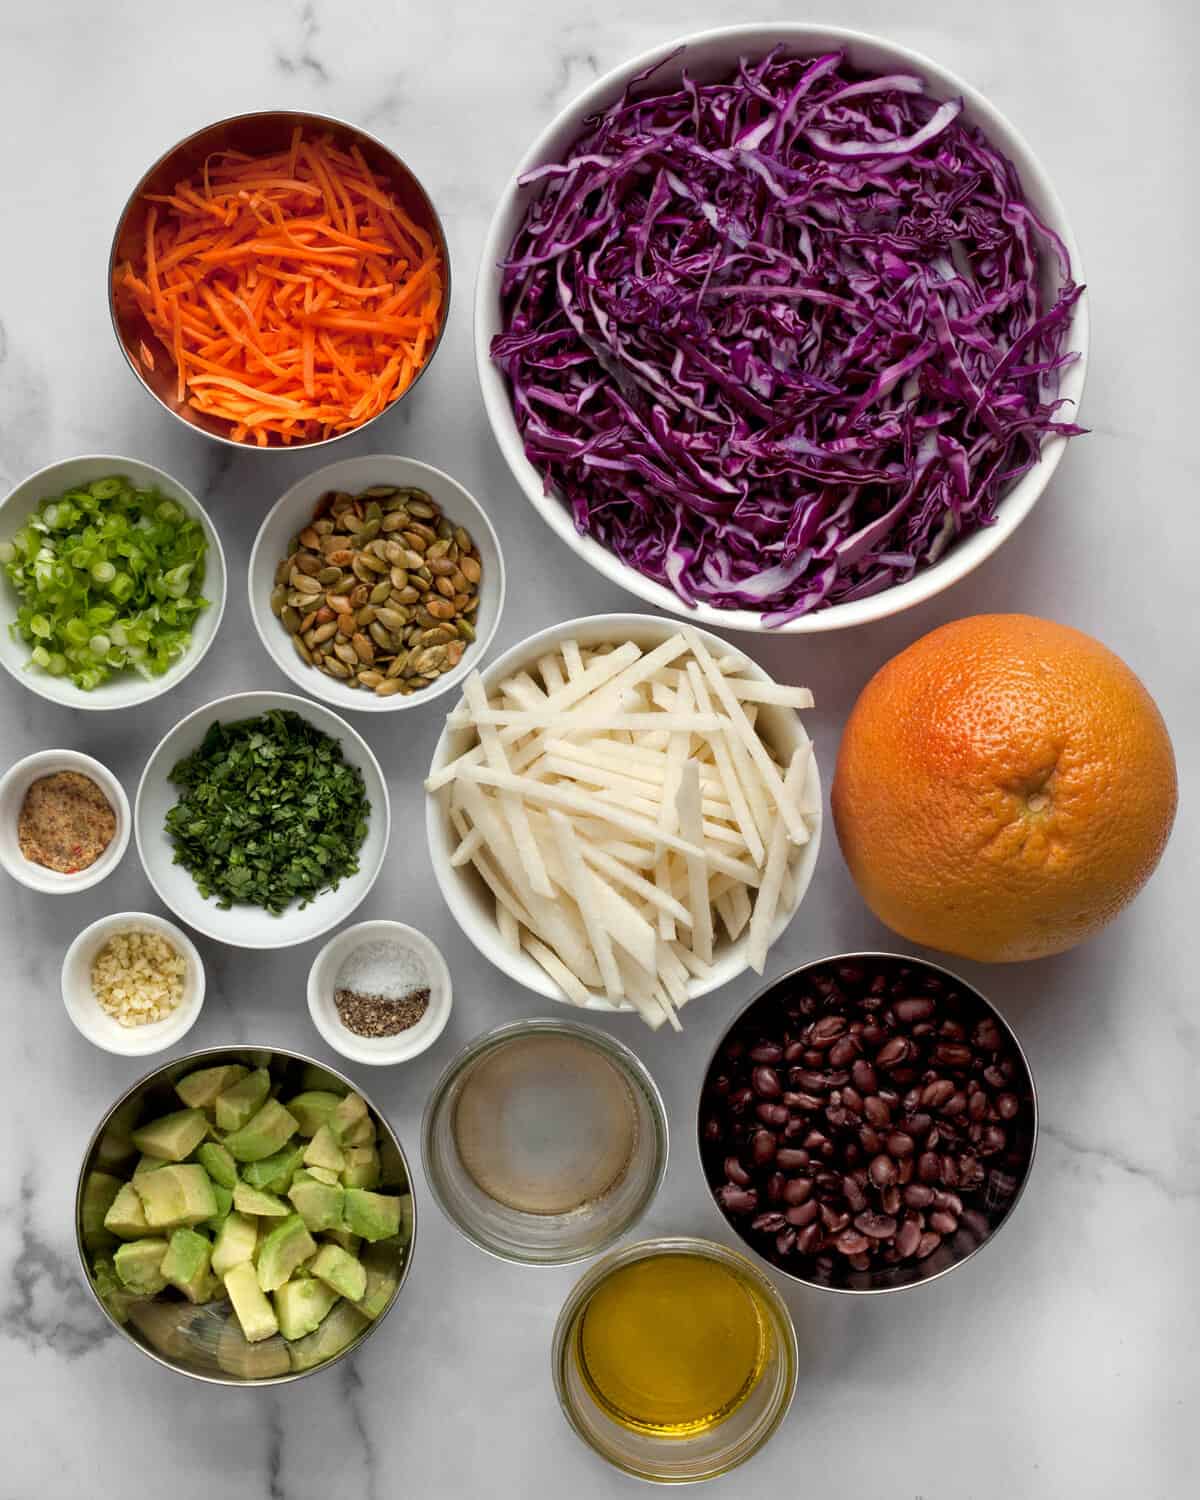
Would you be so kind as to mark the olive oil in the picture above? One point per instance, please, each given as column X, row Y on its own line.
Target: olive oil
column 672, row 1345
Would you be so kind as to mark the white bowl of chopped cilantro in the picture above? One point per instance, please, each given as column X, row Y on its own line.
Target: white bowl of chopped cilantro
column 262, row 820
column 112, row 582
column 779, row 326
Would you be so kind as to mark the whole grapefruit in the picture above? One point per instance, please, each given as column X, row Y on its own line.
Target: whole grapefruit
column 1003, row 788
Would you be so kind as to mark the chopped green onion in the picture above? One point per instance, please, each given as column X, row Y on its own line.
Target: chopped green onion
column 110, row 578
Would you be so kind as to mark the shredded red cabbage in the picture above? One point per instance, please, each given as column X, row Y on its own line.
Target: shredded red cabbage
column 777, row 341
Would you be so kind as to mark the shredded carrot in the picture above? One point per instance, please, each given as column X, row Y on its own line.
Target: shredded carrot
column 293, row 295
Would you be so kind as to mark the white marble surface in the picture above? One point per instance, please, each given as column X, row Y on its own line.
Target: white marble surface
column 1061, row 1363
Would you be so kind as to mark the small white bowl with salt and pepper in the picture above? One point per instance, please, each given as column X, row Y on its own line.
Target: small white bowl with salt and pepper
column 379, row 992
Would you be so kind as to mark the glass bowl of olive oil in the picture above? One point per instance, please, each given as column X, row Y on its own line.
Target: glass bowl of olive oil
column 675, row 1359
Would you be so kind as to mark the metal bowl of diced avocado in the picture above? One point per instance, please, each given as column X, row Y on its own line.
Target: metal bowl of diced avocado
column 245, row 1216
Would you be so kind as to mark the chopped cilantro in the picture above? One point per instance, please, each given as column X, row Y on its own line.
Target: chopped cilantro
column 269, row 812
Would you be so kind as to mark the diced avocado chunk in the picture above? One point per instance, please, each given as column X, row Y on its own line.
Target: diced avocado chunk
column 235, row 1242
column 116, row 1297
column 281, row 1252
column 237, row 1104
column 263, row 1134
column 359, row 1133
column 172, row 1137
column 300, row 1305
column 342, row 1271
column 126, row 1218
column 324, row 1151
column 320, row 1079
column 248, row 1200
column 340, row 1329
column 323, row 1174
column 274, row 1173
column 218, row 1163
column 376, row 1216
column 146, row 1164
column 351, row 1243
column 139, row 1265
column 176, row 1195
column 251, row 1361
column 254, row 1311
column 312, row 1109
column 224, row 1197
column 173, row 1328
column 100, row 1190
column 113, row 1148
column 186, row 1263
column 382, row 1266
column 319, row 1204
column 362, row 1167
column 199, row 1090
column 350, row 1112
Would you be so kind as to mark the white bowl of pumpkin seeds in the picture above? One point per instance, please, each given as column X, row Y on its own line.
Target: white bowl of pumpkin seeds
column 376, row 583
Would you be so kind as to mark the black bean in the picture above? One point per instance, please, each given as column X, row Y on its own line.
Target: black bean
column 736, row 1173
column 775, row 1186
column 801, row 1214
column 908, row 1237
column 913, row 1008
column 851, row 1242
column 918, row 1124
column 791, row 1159
column 785, row 1242
column 1008, row 1106
column 863, row 1075
column 763, row 1148
column 929, row 1166
column 797, row 1190
column 876, row 1226
column 883, row 1171
column 928, row 1244
column 876, row 1111
column 918, row 1195
column 987, row 1036
column 736, row 1200
column 943, row 1223
column 854, row 1195
column 844, row 1051
column 889, row 1201
column 766, row 1052
column 953, row 1055
column 956, row 1104
column 769, row 1223
column 809, row 1239
column 772, row 1114
column 870, row 1139
column 765, row 1082
column 899, row 1143
column 793, row 1052
column 833, row 1220
column 827, row 1030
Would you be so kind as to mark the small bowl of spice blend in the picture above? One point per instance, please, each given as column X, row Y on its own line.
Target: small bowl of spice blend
column 64, row 821
column 379, row 992
column 133, row 983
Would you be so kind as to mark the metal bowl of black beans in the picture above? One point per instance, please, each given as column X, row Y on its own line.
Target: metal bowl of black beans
column 868, row 1122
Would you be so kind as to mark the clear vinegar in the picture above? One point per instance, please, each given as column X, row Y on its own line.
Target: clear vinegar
column 545, row 1124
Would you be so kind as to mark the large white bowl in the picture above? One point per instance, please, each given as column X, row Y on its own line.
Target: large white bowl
column 294, row 510
column 123, row 689
column 466, row 895
column 250, row 926
column 709, row 55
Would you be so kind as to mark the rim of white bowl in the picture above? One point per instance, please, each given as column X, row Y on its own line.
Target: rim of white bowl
column 385, row 1050
column 484, row 936
column 154, row 1036
column 46, row 763
column 302, row 706
column 967, row 553
column 62, row 690
column 316, row 684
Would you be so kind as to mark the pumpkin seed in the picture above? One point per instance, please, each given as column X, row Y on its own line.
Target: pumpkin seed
column 335, row 668
column 347, row 624
column 302, row 650
column 283, row 570
column 444, row 587
column 364, row 647
column 369, row 530
column 345, row 652
column 423, row 508
column 330, row 576
column 442, row 567
column 438, row 549
column 290, row 618
column 365, row 616
column 370, row 678
column 339, row 603
column 380, row 492
column 303, row 584
column 321, row 633
column 381, row 636
column 278, row 599
column 388, row 687
column 308, row 602
column 309, row 538
column 441, row 609
column 454, row 653
column 394, row 520
column 462, row 538
column 465, row 629
column 406, row 595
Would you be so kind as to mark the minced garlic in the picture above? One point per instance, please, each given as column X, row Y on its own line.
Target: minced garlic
column 137, row 977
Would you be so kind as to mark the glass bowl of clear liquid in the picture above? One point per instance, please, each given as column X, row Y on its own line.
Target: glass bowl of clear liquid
column 544, row 1141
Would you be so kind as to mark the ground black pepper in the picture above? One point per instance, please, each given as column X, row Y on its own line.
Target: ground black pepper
column 379, row 1015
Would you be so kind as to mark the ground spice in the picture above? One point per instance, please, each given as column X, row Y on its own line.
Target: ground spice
column 379, row 1015
column 65, row 823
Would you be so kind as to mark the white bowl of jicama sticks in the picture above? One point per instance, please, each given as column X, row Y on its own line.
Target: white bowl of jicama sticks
column 559, row 809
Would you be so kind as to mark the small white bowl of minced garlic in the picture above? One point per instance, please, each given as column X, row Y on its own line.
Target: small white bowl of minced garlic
column 133, row 983
column 379, row 992
column 64, row 821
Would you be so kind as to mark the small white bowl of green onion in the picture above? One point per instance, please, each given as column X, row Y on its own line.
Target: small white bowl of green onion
column 112, row 582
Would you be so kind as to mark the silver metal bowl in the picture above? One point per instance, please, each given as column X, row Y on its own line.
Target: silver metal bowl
column 1003, row 1188
column 258, row 131
column 176, row 1334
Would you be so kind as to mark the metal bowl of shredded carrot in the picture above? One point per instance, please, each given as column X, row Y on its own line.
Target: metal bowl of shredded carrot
column 279, row 279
